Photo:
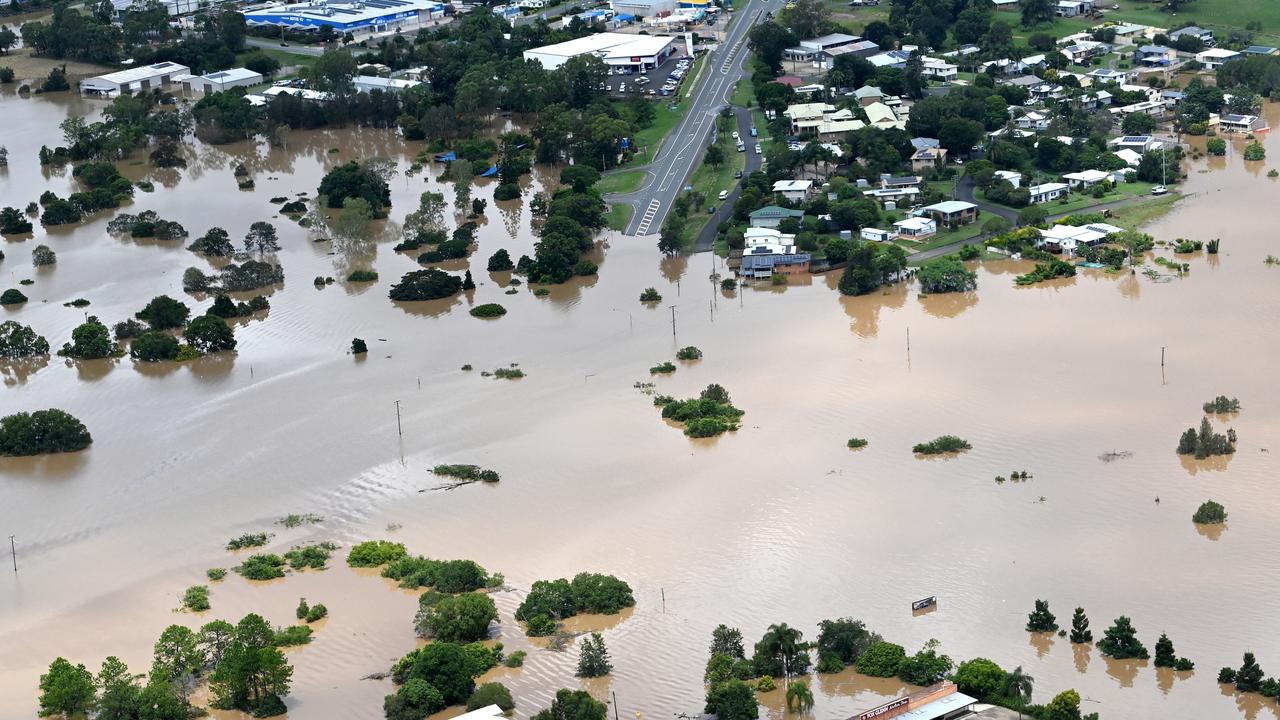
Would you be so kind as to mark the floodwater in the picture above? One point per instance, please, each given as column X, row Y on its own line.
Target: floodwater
column 778, row 522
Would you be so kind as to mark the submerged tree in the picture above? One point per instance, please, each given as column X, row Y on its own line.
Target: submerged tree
column 1040, row 619
column 1249, row 677
column 1120, row 641
column 593, row 661
column 1080, row 632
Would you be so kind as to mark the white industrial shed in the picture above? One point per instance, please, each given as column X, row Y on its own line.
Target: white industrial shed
column 223, row 80
column 133, row 79
column 615, row 49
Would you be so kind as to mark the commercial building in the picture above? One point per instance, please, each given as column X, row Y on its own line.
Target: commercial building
column 936, row 702
column 368, row 83
column 222, row 80
column 353, row 17
column 643, row 8
column 829, row 42
column 641, row 52
column 175, row 7
column 133, row 79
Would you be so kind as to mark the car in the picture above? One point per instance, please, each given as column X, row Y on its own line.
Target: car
column 711, row 209
column 1159, row 190
column 622, row 87
column 758, row 150
column 753, row 131
column 735, row 135
column 665, row 92
column 654, row 92
column 642, row 80
column 791, row 6
column 723, row 194
column 737, row 174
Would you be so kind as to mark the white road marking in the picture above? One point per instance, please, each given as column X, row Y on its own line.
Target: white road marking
column 649, row 213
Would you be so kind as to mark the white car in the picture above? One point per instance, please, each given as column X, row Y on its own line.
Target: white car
column 622, row 87
column 724, row 194
column 735, row 135
column 759, row 151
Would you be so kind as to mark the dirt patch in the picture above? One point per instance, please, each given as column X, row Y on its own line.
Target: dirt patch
column 27, row 68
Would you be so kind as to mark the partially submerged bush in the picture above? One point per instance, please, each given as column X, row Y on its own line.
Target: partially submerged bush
column 373, row 553
column 261, row 567
column 856, row 443
column 942, row 444
column 1210, row 513
column 665, row 368
column 314, row 555
column 488, row 310
column 292, row 635
column 196, row 598
column 430, row 284
column 467, row 472
column 249, row 540
column 1222, row 404
column 362, row 276
column 650, row 295
column 709, row 414
column 216, row 574
column 689, row 352
column 20, row 341
column 42, row 432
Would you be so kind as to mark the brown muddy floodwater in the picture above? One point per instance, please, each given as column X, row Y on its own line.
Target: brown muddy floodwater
column 777, row 522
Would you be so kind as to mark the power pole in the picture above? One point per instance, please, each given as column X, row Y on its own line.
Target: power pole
column 399, row 430
column 673, row 322
column 13, row 550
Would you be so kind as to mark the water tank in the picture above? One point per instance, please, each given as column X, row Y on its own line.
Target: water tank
column 890, row 205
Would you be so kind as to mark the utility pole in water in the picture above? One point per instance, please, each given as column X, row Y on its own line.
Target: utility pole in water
column 13, row 550
column 399, row 430
column 673, row 322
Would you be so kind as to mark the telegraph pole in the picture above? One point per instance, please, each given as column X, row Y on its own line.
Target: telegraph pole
column 13, row 550
column 399, row 430
column 673, row 322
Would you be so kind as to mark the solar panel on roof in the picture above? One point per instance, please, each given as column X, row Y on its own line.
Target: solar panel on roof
column 1135, row 138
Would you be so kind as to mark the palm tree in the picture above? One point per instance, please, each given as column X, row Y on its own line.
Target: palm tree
column 1017, row 685
column 782, row 642
column 799, row 697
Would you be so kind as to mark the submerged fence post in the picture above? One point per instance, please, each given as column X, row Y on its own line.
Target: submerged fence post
column 13, row 550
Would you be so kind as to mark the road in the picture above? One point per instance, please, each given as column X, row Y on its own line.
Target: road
column 274, row 44
column 707, row 238
column 683, row 148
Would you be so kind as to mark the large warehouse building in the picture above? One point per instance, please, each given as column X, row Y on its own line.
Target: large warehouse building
column 134, row 79
column 366, row 15
column 615, row 49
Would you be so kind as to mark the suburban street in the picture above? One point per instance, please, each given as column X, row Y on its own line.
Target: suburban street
column 707, row 238
column 679, row 154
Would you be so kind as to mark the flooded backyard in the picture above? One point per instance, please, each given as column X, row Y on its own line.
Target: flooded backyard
column 778, row 522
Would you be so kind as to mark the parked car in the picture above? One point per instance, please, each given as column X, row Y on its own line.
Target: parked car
column 753, row 131
column 758, row 150
column 735, row 135
column 654, row 92
column 737, row 174
column 723, row 194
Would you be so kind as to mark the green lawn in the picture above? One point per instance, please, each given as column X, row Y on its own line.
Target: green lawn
column 653, row 136
column 964, row 232
column 1220, row 16
column 618, row 216
column 1059, row 27
column 286, row 59
column 1132, row 217
column 621, row 182
column 1083, row 201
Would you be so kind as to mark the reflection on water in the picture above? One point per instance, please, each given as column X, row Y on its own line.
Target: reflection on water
column 777, row 521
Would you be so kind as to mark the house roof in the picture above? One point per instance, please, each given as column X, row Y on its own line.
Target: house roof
column 774, row 211
column 1260, row 50
column 878, row 113
column 929, row 153
column 1218, row 53
column 808, row 110
column 1008, row 174
column 868, row 91
column 1238, row 119
column 833, row 39
column 950, row 207
column 1088, row 176
column 1160, row 49
column 1130, row 157
column 915, row 223
column 921, row 143
column 1047, row 187
column 792, row 185
column 1190, row 30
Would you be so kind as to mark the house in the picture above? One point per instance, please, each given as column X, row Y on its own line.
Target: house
column 1172, row 98
column 770, row 216
column 1007, row 5
column 939, row 70
column 836, row 125
column 1199, row 33
column 1033, row 120
column 807, row 116
column 1012, row 177
column 951, row 213
column 897, row 197
column 928, row 159
column 1067, row 238
column 133, row 79
column 916, row 228
column 1137, row 143
column 794, row 190
column 1073, row 8
column 1044, row 192
column 1214, row 58
column 1155, row 55
column 1241, row 123
column 876, row 234
column 962, row 51
column 924, row 143
column 1146, row 107
column 1086, row 179
column 1130, row 33
column 904, row 181
column 862, row 48
column 1130, row 158
column 1096, row 100
column 1108, row 75
column 882, row 116
column 762, row 257
column 369, row 83
column 868, row 94
column 892, row 59
column 1045, row 91
column 829, row 42
column 1261, row 50
column 1081, row 51
column 1033, row 62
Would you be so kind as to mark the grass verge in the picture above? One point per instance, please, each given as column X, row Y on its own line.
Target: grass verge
column 621, row 182
column 618, row 216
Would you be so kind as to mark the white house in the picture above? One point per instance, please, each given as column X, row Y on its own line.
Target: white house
column 1044, row 192
column 1033, row 121
column 1086, row 179
column 1012, row 177
column 1240, row 123
column 1137, row 143
column 133, row 79
column 1130, row 158
column 916, row 228
column 876, row 234
column 1214, row 58
column 1108, row 75
column 794, row 190
column 1067, row 238
column 939, row 69
column 1199, row 33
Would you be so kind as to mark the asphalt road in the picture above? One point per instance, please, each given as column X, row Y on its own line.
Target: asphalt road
column 683, row 148
column 707, row 238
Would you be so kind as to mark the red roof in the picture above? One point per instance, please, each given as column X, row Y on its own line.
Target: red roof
column 789, row 81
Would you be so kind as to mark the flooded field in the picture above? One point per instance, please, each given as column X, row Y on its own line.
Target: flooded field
column 778, row 522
